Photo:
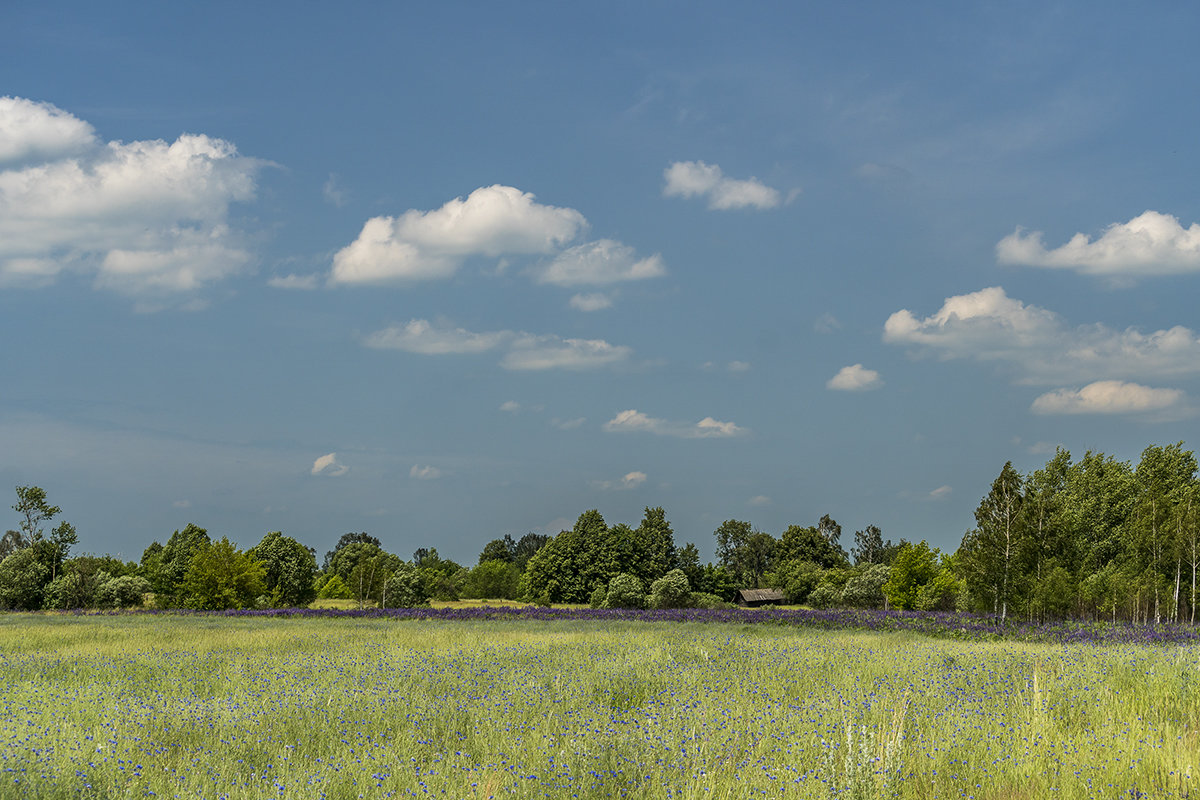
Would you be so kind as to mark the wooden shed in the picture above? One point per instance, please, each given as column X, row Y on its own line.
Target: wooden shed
column 760, row 597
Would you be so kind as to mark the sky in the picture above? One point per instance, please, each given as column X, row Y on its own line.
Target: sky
column 444, row 272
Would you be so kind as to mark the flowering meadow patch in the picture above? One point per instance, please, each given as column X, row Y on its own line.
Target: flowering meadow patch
column 598, row 705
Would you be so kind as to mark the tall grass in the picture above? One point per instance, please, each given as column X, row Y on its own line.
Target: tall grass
column 115, row 707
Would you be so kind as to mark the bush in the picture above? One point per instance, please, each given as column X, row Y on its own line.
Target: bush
column 625, row 591
column 670, row 591
column 124, row 591
column 865, row 590
column 940, row 594
column 332, row 587
column 68, row 590
column 825, row 596
column 706, row 600
column 405, row 588
column 597, row 598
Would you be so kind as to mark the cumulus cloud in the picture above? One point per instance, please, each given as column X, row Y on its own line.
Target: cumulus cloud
column 1149, row 244
column 425, row 473
column 1038, row 345
column 142, row 216
column 521, row 351
column 1108, row 397
column 630, row 480
column 329, row 465
column 597, row 263
column 32, row 131
column 697, row 179
column 596, row 301
column 510, row 406
column 424, row 245
column 634, row 421
column 854, row 378
column 759, row 500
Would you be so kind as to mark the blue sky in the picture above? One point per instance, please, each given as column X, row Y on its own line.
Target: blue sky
column 448, row 271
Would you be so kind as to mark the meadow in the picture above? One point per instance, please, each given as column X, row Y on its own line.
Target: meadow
column 128, row 706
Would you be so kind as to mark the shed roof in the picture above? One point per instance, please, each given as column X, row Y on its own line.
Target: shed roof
column 760, row 595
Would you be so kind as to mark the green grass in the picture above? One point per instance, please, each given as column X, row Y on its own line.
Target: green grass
column 115, row 707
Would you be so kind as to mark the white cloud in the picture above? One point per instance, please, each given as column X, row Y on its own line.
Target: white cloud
column 630, row 480
column 855, row 378
column 510, row 406
column 303, row 282
column 633, row 421
column 424, row 245
column 143, row 216
column 759, row 500
column 419, row 336
column 426, row 473
column 738, row 366
column 328, row 464
column 530, row 352
column 1149, row 244
column 941, row 493
column 697, row 179
column 1108, row 397
column 522, row 351
column 32, row 131
column 568, row 424
column 1039, row 347
column 596, row 301
column 182, row 504
column 597, row 263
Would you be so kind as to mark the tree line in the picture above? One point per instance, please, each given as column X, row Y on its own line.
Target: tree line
column 1096, row 538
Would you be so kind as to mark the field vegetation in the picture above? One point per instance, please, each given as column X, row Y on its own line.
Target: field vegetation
column 300, row 707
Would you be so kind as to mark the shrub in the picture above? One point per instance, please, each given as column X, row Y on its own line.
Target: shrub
column 825, row 596
column 706, row 600
column 332, row 587
column 670, row 591
column 405, row 588
column 865, row 590
column 625, row 591
column 941, row 593
column 124, row 591
column 597, row 598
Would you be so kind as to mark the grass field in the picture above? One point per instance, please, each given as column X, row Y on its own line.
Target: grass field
column 208, row 707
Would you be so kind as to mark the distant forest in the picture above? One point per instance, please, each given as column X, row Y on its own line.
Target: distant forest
column 1092, row 539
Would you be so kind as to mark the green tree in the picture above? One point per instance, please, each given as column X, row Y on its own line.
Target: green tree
column 171, row 565
column 869, row 547
column 670, row 591
column 493, row 580
column 991, row 551
column 809, row 544
column 34, row 510
column 346, row 540
column 573, row 563
column 11, row 542
column 527, row 547
column 123, row 591
column 865, row 589
column 23, row 581
column 625, row 591
column 658, row 541
column 290, row 570
column 504, row 550
column 915, row 566
column 1162, row 477
column 220, row 576
column 404, row 588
